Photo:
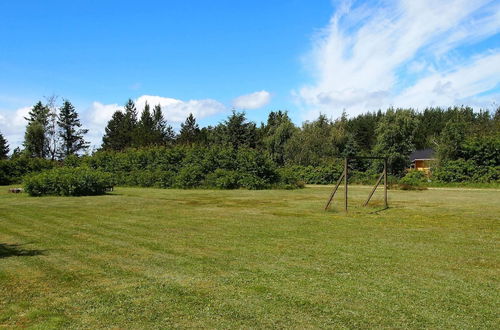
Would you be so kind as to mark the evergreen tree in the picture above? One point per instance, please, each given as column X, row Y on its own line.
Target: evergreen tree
column 121, row 130
column 16, row 153
column 39, row 113
column 145, row 131
column 164, row 133
column 190, row 131
column 35, row 137
column 237, row 131
column 117, row 135
column 4, row 147
column 70, row 131
column 130, row 123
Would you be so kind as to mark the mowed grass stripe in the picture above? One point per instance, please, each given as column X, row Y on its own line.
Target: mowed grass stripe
column 164, row 258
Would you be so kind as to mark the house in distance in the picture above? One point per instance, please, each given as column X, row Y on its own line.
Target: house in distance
column 422, row 160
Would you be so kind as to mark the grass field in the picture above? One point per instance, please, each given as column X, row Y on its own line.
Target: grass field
column 145, row 258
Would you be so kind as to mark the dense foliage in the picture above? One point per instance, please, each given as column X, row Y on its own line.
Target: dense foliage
column 141, row 149
column 4, row 147
column 14, row 169
column 189, row 167
column 68, row 182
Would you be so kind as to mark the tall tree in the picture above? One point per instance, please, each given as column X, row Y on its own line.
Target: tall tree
column 4, row 147
column 278, row 130
column 190, row 131
column 317, row 142
column 117, row 135
column 121, row 130
column 237, row 131
column 35, row 137
column 145, row 130
column 396, row 138
column 70, row 131
column 51, row 132
column 130, row 123
column 164, row 133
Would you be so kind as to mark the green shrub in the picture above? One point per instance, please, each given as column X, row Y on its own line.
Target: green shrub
column 413, row 180
column 13, row 170
column 164, row 179
column 68, row 182
column 252, row 182
column 290, row 179
column 454, row 171
column 222, row 179
column 189, row 176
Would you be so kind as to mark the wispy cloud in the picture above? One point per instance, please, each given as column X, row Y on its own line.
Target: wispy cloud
column 402, row 53
column 252, row 101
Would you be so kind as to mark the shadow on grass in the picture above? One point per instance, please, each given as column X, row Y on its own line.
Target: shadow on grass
column 15, row 250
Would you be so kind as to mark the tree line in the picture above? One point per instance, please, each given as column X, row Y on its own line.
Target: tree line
column 56, row 133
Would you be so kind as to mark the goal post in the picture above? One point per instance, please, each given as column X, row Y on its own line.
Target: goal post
column 345, row 177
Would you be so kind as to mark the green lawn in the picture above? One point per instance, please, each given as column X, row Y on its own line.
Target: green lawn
column 144, row 258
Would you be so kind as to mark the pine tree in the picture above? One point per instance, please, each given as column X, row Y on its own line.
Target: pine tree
column 237, row 131
column 190, row 131
column 145, row 130
column 35, row 137
column 164, row 133
column 116, row 136
column 130, row 124
column 70, row 131
column 4, row 147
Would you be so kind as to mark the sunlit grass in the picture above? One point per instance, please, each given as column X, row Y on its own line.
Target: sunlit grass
column 203, row 258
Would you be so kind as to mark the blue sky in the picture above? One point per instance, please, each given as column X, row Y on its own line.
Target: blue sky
column 207, row 57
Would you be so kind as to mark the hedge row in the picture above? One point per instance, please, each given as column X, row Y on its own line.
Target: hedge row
column 68, row 182
column 13, row 170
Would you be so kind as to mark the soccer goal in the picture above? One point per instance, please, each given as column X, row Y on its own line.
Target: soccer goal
column 345, row 177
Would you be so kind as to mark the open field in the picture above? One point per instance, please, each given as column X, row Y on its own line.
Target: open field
column 143, row 258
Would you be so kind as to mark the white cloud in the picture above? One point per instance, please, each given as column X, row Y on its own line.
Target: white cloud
column 95, row 119
column 454, row 87
column 176, row 111
column 403, row 53
column 96, row 116
column 12, row 124
column 252, row 101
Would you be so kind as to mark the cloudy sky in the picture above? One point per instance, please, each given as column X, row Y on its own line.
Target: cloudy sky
column 208, row 57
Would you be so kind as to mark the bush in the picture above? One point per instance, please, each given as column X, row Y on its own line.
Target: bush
column 454, row 171
column 189, row 176
column 413, row 180
column 68, row 182
column 252, row 182
column 13, row 170
column 290, row 179
column 223, row 179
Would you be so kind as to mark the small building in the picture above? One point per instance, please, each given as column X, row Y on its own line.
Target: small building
column 422, row 160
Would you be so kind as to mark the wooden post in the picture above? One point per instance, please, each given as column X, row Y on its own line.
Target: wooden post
column 385, row 183
column 374, row 188
column 346, row 174
column 339, row 181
